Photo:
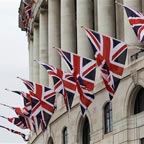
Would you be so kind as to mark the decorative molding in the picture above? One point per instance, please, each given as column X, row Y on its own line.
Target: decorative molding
column 134, row 76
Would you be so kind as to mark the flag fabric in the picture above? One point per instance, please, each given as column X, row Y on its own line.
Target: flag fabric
column 110, row 55
column 27, row 8
column 32, row 1
column 84, row 72
column 42, row 99
column 18, row 110
column 27, row 102
column 16, row 121
column 86, row 96
column 136, row 20
column 63, row 83
column 22, row 121
column 78, row 65
column 16, row 132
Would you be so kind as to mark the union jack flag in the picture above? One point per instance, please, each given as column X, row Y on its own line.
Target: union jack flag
column 22, row 120
column 27, row 8
column 27, row 102
column 84, row 71
column 110, row 55
column 78, row 65
column 63, row 83
column 136, row 20
column 16, row 132
column 42, row 99
column 86, row 96
column 16, row 121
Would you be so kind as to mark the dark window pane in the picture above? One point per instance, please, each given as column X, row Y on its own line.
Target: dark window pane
column 65, row 136
column 86, row 132
column 139, row 102
column 50, row 141
column 142, row 141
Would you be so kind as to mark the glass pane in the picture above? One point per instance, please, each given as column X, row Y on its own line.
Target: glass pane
column 86, row 132
column 139, row 102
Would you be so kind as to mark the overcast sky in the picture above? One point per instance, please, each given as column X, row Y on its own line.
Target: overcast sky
column 13, row 63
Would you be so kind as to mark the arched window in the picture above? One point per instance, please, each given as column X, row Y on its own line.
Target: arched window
column 108, row 117
column 139, row 101
column 50, row 141
column 65, row 136
column 86, row 132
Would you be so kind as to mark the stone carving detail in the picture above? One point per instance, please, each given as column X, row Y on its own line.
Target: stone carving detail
column 134, row 76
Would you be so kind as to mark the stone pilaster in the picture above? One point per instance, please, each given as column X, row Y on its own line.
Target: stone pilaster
column 36, row 52
column 68, row 27
column 106, row 17
column 53, row 32
column 43, row 44
column 85, row 17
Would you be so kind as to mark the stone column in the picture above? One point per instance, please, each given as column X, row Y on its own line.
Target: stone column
column 68, row 27
column 85, row 17
column 36, row 52
column 53, row 35
column 43, row 44
column 53, row 32
column 31, row 58
column 106, row 17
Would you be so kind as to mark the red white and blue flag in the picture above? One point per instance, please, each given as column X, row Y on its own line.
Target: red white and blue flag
column 84, row 72
column 22, row 120
column 16, row 121
column 63, row 83
column 110, row 55
column 16, row 132
column 136, row 20
column 27, row 102
column 27, row 8
column 42, row 99
column 78, row 65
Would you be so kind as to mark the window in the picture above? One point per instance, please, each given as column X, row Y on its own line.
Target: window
column 50, row 141
column 65, row 136
column 139, row 102
column 86, row 132
column 142, row 141
column 108, row 117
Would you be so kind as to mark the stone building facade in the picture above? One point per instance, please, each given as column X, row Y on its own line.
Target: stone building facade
column 58, row 23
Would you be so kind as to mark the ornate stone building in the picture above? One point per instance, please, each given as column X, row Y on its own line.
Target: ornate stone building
column 58, row 23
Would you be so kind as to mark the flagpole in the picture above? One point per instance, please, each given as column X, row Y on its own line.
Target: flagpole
column 134, row 47
column 86, row 28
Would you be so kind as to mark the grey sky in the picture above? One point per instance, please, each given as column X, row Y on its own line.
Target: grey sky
column 13, row 63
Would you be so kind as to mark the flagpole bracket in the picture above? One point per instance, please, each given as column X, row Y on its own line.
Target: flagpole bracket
column 134, row 76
